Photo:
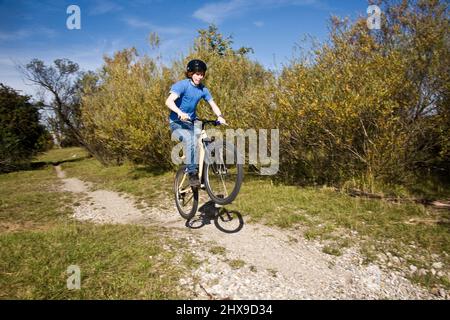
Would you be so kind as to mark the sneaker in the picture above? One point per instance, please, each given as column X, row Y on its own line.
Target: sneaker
column 193, row 180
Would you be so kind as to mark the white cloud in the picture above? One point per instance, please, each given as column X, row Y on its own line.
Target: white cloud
column 26, row 33
column 136, row 23
column 15, row 35
column 259, row 24
column 104, row 6
column 139, row 23
column 217, row 12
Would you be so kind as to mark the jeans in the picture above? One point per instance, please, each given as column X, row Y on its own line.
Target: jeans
column 184, row 132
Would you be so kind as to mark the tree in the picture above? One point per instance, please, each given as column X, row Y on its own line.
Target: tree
column 213, row 41
column 419, row 30
column 64, row 82
column 371, row 104
column 21, row 134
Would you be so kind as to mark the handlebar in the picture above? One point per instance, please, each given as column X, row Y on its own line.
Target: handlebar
column 205, row 122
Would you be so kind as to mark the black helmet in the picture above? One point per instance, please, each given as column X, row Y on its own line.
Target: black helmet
column 196, row 66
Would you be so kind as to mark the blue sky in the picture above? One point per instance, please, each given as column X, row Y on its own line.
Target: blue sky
column 37, row 29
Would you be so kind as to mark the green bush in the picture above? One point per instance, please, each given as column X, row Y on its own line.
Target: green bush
column 369, row 105
column 21, row 134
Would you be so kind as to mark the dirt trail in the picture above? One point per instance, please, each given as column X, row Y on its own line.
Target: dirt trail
column 259, row 262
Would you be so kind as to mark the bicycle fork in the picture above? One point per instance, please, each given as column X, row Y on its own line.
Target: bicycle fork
column 201, row 155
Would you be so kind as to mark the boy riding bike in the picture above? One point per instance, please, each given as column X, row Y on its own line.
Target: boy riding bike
column 182, row 101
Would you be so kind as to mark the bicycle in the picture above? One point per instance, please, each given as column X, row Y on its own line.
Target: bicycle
column 221, row 180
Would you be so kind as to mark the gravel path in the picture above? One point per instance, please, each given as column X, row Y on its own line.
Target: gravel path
column 257, row 262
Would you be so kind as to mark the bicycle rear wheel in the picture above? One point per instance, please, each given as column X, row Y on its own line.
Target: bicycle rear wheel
column 186, row 197
column 223, row 175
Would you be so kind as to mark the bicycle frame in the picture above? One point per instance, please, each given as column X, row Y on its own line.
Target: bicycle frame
column 201, row 158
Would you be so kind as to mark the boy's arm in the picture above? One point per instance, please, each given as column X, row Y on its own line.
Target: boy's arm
column 170, row 103
column 216, row 110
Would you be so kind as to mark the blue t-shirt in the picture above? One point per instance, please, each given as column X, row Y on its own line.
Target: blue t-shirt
column 189, row 96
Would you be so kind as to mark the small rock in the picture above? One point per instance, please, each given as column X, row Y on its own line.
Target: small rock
column 435, row 291
column 422, row 272
column 442, row 293
column 413, row 268
column 433, row 272
column 349, row 279
column 437, row 265
column 382, row 257
column 395, row 260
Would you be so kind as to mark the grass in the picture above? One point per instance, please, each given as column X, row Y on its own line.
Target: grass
column 28, row 201
column 272, row 272
column 139, row 181
column 39, row 241
column 61, row 155
column 218, row 250
column 332, row 250
column 34, row 263
column 236, row 263
column 430, row 187
column 417, row 233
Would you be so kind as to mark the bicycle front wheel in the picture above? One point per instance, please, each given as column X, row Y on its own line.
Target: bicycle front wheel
column 223, row 174
column 186, row 197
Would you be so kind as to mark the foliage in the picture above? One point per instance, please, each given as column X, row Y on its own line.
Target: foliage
column 125, row 112
column 21, row 134
column 368, row 105
column 63, row 82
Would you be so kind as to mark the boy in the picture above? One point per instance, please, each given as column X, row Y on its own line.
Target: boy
column 182, row 101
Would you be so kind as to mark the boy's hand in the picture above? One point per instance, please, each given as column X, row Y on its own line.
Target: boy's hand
column 184, row 116
column 221, row 120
